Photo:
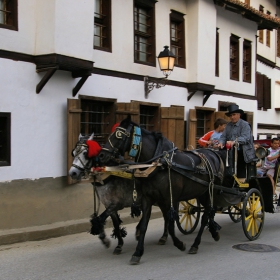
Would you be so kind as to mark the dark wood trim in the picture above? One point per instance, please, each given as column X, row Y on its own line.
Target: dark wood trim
column 45, row 79
column 268, row 126
column 266, row 61
column 16, row 56
column 233, row 94
column 199, row 86
column 63, row 62
column 79, row 85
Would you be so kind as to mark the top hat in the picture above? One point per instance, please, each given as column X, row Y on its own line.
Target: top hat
column 234, row 109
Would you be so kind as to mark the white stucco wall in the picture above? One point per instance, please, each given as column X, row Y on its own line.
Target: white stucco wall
column 21, row 41
column 38, row 121
column 231, row 23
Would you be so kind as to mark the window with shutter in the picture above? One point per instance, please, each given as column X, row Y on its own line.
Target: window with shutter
column 144, row 32
column 263, row 90
column 217, row 54
column 177, row 37
column 102, row 25
column 247, row 60
column 5, row 139
column 234, row 57
column 9, row 14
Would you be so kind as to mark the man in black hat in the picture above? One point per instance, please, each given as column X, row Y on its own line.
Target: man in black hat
column 240, row 130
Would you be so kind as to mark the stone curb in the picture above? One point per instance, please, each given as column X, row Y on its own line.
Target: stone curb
column 60, row 229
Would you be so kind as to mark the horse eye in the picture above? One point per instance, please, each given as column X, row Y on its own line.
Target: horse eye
column 85, row 153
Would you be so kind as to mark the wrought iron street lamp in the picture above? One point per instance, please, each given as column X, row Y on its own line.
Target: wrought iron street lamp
column 166, row 60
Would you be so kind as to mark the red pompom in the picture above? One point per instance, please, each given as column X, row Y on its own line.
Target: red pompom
column 93, row 148
column 115, row 126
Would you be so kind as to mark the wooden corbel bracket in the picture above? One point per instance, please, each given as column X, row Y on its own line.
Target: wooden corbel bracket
column 45, row 79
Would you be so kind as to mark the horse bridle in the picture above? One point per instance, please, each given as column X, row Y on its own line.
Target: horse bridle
column 120, row 133
column 86, row 167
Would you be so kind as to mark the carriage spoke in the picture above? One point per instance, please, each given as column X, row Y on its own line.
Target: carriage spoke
column 253, row 214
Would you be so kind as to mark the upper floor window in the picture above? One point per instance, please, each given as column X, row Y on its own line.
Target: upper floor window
column 261, row 9
column 102, row 25
column 278, row 42
column 234, row 57
column 9, row 14
column 263, row 90
column 247, row 60
column 5, row 139
column 268, row 34
column 177, row 38
column 144, row 32
column 217, row 53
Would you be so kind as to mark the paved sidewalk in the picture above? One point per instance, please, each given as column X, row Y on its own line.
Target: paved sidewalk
column 63, row 228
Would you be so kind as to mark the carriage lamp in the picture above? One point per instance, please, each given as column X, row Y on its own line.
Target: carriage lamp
column 166, row 60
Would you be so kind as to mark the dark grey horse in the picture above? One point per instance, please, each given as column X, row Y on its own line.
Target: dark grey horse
column 115, row 193
column 182, row 176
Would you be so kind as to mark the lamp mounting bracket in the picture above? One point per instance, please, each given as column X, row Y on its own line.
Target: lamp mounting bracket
column 151, row 83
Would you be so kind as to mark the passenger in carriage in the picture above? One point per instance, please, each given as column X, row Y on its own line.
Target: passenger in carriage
column 270, row 162
column 211, row 138
column 240, row 130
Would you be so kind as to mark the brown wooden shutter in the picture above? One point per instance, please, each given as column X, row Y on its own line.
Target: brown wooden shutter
column 222, row 115
column 267, row 93
column 124, row 109
column 259, row 78
column 250, row 119
column 73, row 130
column 192, row 120
column 173, row 124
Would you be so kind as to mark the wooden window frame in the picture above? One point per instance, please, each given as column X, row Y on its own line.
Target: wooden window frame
column 5, row 139
column 278, row 42
column 102, row 21
column 105, row 107
column 234, row 57
column 268, row 33
column 263, row 91
column 11, row 11
column 149, row 56
column 177, row 38
column 261, row 9
column 217, row 54
column 247, row 61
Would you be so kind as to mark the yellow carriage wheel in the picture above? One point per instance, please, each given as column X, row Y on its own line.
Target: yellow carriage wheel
column 189, row 214
column 253, row 214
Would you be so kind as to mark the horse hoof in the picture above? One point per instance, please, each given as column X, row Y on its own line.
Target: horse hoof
column 135, row 260
column 106, row 242
column 193, row 250
column 117, row 250
column 162, row 241
column 183, row 248
column 217, row 237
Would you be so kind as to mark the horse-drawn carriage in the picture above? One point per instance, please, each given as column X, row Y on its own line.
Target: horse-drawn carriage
column 190, row 182
column 189, row 212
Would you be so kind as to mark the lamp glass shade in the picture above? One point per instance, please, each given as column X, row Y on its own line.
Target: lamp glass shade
column 166, row 60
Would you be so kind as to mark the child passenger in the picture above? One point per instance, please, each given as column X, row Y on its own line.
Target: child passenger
column 269, row 163
column 211, row 138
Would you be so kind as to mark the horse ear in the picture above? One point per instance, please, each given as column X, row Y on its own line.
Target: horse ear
column 91, row 136
column 80, row 136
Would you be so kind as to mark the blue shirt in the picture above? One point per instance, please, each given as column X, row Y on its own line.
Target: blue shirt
column 241, row 130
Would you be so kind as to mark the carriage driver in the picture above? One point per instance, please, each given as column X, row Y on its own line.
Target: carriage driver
column 242, row 130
